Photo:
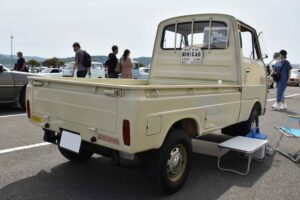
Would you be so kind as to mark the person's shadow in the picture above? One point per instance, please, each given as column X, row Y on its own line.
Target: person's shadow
column 97, row 179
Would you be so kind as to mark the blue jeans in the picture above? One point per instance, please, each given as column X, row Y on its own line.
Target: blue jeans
column 281, row 86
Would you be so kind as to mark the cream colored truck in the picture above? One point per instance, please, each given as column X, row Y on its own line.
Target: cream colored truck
column 207, row 74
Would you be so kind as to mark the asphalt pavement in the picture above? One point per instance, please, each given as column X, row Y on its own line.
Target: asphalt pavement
column 42, row 173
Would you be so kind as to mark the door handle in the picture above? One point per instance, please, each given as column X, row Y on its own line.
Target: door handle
column 247, row 70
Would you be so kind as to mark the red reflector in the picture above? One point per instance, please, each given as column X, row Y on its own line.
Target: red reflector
column 28, row 109
column 126, row 132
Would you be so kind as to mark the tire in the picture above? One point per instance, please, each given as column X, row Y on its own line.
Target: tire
column 22, row 98
column 243, row 128
column 83, row 155
column 173, row 161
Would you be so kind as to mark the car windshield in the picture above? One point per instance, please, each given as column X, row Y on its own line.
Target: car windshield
column 47, row 70
column 95, row 66
column 295, row 71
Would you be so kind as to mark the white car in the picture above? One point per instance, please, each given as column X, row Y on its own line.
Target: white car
column 144, row 72
column 52, row 72
column 295, row 77
column 97, row 70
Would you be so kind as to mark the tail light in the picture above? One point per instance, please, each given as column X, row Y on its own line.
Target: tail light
column 28, row 109
column 126, row 132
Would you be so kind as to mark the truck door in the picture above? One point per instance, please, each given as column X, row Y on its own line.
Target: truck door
column 6, row 86
column 253, row 70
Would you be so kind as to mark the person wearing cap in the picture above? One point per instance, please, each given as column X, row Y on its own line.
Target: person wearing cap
column 284, row 68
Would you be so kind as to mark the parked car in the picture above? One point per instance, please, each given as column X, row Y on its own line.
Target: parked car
column 13, row 86
column 192, row 91
column 97, row 70
column 144, row 72
column 52, row 72
column 295, row 77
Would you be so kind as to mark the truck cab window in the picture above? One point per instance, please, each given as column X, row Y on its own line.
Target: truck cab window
column 196, row 34
column 248, row 43
column 169, row 37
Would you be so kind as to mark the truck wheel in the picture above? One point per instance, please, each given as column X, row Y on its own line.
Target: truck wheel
column 22, row 98
column 174, row 161
column 243, row 128
column 83, row 155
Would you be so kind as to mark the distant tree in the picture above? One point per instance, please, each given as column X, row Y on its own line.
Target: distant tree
column 33, row 63
column 53, row 62
column 141, row 65
column 276, row 55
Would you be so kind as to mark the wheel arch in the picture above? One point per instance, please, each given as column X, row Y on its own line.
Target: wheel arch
column 22, row 97
column 258, row 106
column 189, row 125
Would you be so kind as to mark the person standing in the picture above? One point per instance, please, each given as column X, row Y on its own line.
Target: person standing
column 126, row 64
column 112, row 62
column 21, row 64
column 283, row 67
column 82, row 70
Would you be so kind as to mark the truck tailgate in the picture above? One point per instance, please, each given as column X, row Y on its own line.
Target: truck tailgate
column 76, row 103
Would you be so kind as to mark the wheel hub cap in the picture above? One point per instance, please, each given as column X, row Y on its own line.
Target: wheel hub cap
column 175, row 163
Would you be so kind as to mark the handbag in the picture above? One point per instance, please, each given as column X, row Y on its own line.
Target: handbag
column 118, row 68
column 276, row 75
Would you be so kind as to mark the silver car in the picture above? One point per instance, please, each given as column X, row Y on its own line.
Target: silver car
column 13, row 86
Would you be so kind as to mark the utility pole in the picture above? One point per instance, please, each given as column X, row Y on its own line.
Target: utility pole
column 11, row 52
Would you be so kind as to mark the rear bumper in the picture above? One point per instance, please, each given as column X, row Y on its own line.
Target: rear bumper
column 90, row 135
column 54, row 138
column 293, row 82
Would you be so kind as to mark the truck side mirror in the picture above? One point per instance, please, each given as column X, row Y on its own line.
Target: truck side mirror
column 1, row 68
column 265, row 56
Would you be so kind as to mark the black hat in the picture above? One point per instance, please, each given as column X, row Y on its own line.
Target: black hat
column 283, row 52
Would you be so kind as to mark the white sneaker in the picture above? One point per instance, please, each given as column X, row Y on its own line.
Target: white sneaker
column 283, row 106
column 276, row 106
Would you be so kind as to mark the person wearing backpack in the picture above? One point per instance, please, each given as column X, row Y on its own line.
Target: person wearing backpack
column 281, row 74
column 82, row 63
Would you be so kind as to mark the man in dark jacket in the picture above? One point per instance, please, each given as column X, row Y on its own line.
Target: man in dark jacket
column 21, row 64
column 112, row 62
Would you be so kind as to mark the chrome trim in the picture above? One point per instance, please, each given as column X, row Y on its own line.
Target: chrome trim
column 11, row 86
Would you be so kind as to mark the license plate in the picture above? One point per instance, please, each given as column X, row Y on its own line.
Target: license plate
column 70, row 141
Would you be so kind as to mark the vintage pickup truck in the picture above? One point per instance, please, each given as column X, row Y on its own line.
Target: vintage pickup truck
column 207, row 74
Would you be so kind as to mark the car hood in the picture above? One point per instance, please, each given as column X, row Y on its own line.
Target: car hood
column 21, row 77
column 294, row 76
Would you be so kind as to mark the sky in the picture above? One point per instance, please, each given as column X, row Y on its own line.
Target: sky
column 49, row 28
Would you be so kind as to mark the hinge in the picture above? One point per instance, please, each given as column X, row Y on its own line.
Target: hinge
column 115, row 92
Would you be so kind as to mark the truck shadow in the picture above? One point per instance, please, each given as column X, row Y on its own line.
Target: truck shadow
column 97, row 179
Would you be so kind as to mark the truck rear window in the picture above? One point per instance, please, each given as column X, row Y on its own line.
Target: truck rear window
column 177, row 36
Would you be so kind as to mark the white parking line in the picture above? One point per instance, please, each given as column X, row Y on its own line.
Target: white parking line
column 23, row 147
column 16, row 115
column 292, row 95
